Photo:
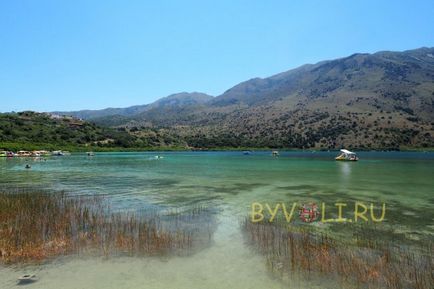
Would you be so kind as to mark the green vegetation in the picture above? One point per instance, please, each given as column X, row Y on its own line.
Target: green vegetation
column 30, row 130
column 17, row 146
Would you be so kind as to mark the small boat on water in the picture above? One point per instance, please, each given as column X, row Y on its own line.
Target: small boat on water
column 346, row 155
column 40, row 153
column 57, row 153
column 35, row 153
column 275, row 153
column 247, row 153
column 24, row 154
column 90, row 154
column 27, row 278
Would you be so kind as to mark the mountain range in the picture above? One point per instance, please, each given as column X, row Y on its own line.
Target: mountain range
column 383, row 100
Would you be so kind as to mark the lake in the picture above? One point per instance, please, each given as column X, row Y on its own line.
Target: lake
column 227, row 182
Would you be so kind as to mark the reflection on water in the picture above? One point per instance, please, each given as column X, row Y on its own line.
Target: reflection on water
column 345, row 174
column 227, row 182
column 345, row 169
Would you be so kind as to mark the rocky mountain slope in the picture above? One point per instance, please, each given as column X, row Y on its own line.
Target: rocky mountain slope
column 381, row 100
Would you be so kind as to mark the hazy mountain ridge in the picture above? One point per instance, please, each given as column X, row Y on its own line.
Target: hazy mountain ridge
column 380, row 100
column 174, row 100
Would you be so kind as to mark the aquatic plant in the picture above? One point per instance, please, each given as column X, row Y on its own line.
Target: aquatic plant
column 291, row 249
column 37, row 225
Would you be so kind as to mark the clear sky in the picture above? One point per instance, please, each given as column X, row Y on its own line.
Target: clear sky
column 70, row 55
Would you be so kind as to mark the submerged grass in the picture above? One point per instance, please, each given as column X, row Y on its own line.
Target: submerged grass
column 36, row 226
column 363, row 262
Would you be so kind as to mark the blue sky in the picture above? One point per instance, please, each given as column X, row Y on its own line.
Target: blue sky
column 69, row 55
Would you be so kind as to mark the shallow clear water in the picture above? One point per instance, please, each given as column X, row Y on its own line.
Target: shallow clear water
column 230, row 182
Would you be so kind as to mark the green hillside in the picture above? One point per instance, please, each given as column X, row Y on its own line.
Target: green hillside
column 31, row 130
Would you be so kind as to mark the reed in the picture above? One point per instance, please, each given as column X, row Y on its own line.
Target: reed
column 290, row 250
column 36, row 226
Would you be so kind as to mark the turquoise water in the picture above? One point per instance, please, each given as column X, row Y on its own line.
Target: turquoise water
column 229, row 182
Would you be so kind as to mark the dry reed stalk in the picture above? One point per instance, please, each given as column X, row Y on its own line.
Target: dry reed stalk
column 378, row 265
column 36, row 226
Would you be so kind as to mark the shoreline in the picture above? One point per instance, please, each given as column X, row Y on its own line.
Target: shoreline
column 71, row 148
